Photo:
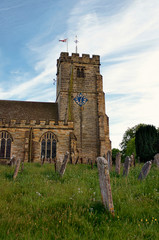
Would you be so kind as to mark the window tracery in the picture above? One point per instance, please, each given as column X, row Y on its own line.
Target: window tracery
column 5, row 144
column 48, row 145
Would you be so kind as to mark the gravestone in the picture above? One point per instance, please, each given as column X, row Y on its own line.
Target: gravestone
column 109, row 158
column 118, row 162
column 42, row 160
column 145, row 170
column 126, row 166
column 156, row 159
column 12, row 161
column 104, row 181
column 64, row 163
column 16, row 168
column 132, row 157
column 58, row 165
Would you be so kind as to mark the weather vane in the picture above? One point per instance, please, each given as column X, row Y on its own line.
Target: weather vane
column 54, row 81
column 76, row 41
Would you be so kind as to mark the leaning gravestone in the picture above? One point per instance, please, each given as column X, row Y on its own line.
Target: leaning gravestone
column 104, row 181
column 156, row 159
column 64, row 163
column 126, row 166
column 145, row 170
column 118, row 163
column 16, row 168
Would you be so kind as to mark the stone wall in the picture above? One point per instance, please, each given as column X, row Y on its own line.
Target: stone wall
column 29, row 148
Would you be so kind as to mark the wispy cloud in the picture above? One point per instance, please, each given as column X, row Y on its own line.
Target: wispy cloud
column 128, row 42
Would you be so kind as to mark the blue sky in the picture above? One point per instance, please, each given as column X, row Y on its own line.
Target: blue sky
column 124, row 33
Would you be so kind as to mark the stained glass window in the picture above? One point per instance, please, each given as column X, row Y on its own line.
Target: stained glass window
column 48, row 145
column 5, row 144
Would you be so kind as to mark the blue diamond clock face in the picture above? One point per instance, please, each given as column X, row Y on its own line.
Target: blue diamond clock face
column 80, row 99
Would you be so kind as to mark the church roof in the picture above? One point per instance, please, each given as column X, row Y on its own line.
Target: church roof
column 23, row 110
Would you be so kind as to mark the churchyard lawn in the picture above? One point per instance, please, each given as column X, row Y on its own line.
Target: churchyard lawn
column 39, row 204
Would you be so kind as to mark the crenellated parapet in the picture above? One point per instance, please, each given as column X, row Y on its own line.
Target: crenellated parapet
column 76, row 58
column 37, row 124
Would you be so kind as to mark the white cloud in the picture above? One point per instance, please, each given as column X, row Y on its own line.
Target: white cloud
column 132, row 36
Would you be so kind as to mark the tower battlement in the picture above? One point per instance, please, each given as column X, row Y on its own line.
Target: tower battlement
column 75, row 57
column 35, row 123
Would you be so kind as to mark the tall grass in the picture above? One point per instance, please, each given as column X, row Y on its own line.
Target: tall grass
column 41, row 205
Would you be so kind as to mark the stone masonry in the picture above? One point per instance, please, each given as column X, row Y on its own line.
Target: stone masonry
column 91, row 124
column 83, row 131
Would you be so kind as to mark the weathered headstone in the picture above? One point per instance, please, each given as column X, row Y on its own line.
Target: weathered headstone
column 12, row 161
column 109, row 158
column 145, row 170
column 156, row 159
column 64, row 163
column 42, row 160
column 16, row 168
column 132, row 157
column 126, row 166
column 58, row 164
column 118, row 162
column 104, row 181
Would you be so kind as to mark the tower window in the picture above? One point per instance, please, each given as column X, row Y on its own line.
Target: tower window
column 48, row 145
column 5, row 144
column 80, row 72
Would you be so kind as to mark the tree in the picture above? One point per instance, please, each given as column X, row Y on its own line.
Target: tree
column 114, row 153
column 146, row 142
column 131, row 149
column 128, row 142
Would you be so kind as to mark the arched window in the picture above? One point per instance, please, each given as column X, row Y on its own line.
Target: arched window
column 48, row 145
column 80, row 72
column 5, row 144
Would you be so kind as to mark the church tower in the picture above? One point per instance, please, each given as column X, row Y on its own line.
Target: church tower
column 81, row 99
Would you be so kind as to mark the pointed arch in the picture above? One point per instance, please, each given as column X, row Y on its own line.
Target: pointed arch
column 6, row 140
column 48, row 145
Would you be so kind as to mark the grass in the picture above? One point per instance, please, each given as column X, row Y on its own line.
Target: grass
column 40, row 205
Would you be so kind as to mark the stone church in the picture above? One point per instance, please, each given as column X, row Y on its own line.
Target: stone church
column 76, row 122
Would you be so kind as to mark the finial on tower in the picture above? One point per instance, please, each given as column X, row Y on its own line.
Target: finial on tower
column 76, row 41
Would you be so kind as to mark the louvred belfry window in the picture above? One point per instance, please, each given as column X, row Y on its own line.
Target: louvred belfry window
column 5, row 144
column 48, row 145
column 80, row 72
